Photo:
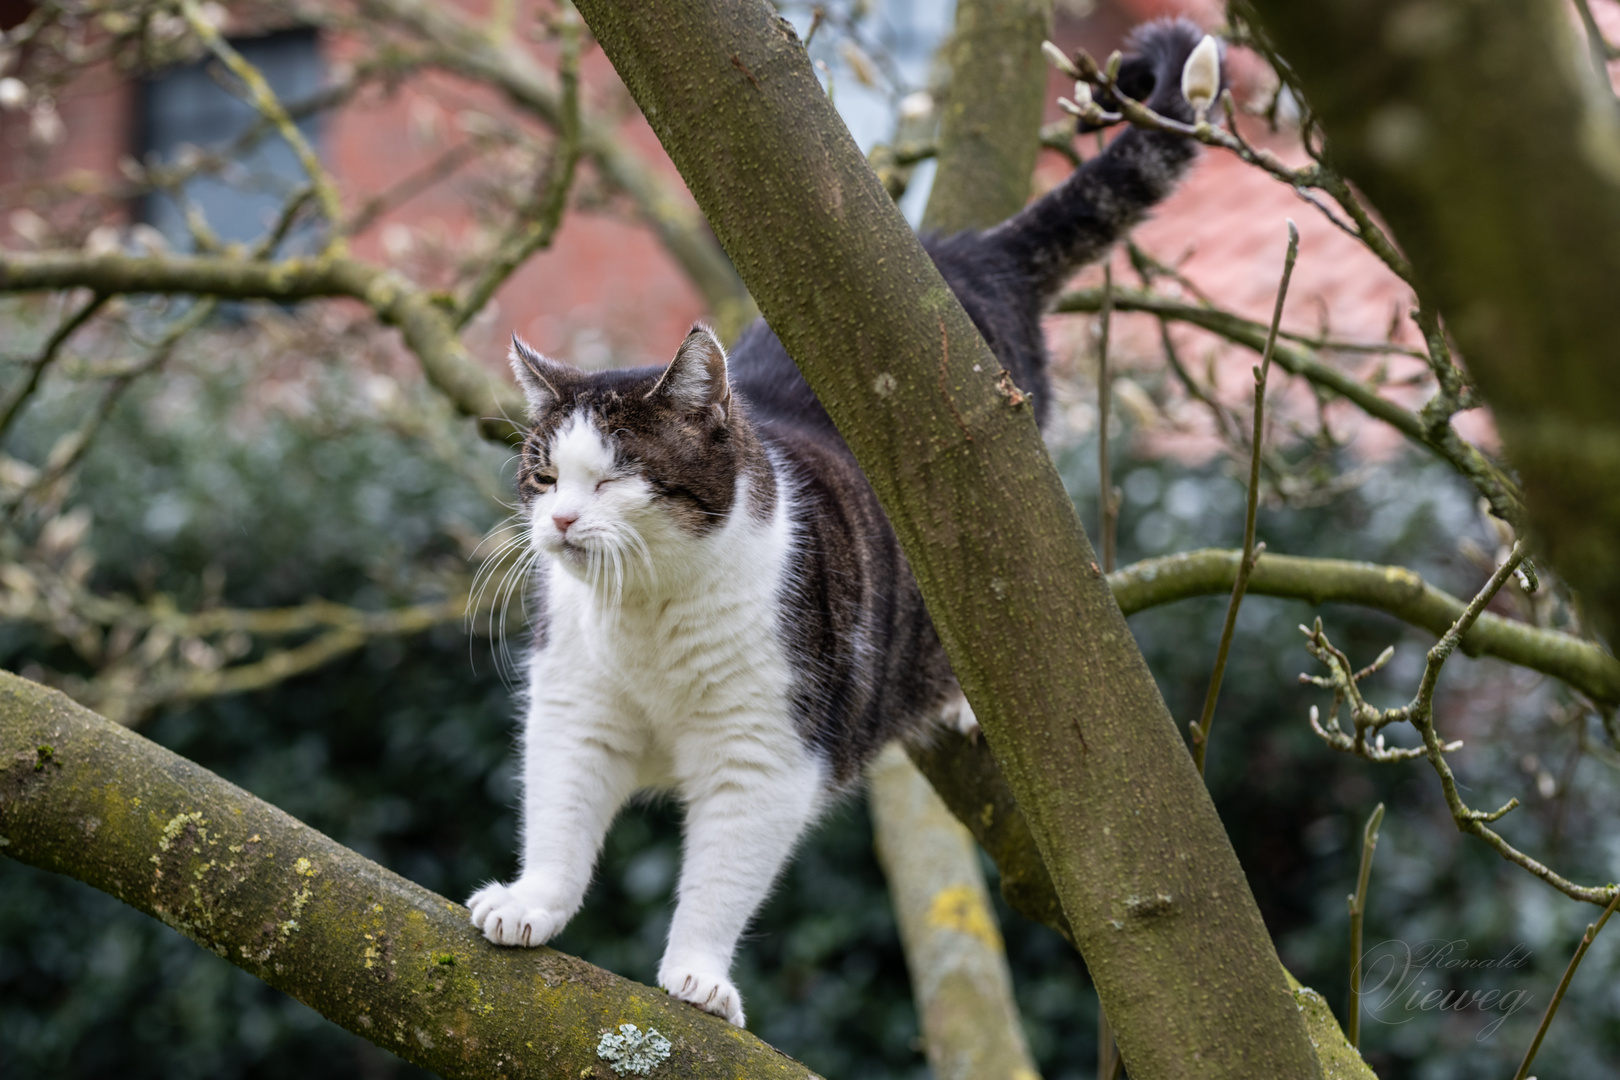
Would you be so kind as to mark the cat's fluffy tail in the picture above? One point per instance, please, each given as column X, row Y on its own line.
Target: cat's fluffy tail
column 1077, row 221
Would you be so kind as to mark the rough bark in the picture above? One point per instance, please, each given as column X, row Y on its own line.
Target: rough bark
column 1485, row 142
column 383, row 957
column 1153, row 891
column 954, row 952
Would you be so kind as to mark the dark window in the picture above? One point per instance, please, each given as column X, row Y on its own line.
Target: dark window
column 189, row 106
column 13, row 13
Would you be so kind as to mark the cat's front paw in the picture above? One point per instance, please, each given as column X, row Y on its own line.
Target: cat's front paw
column 506, row 919
column 711, row 993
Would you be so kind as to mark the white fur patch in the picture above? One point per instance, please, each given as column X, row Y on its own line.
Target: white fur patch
column 676, row 680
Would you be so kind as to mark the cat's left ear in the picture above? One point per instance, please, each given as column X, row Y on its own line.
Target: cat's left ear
column 695, row 380
column 542, row 378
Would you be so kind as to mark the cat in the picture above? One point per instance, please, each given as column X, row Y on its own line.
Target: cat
column 723, row 610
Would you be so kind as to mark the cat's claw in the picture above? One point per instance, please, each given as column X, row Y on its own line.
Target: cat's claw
column 506, row 919
column 711, row 993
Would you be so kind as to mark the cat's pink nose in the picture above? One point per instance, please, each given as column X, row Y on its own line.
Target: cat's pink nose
column 562, row 520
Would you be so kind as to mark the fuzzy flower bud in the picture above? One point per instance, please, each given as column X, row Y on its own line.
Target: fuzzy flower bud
column 1201, row 77
column 1057, row 58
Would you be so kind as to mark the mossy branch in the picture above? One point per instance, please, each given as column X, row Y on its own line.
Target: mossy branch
column 427, row 327
column 1394, row 590
column 958, row 965
column 387, row 959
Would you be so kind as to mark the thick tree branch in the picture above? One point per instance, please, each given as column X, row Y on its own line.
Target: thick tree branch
column 1154, row 893
column 958, row 964
column 1391, row 589
column 1511, row 217
column 379, row 955
column 426, row 326
column 990, row 116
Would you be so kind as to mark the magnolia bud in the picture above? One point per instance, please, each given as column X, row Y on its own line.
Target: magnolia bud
column 1082, row 94
column 1201, row 77
column 1056, row 57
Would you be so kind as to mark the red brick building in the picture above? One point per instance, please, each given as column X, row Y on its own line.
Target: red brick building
column 607, row 291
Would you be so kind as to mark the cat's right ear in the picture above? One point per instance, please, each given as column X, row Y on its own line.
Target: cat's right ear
column 541, row 377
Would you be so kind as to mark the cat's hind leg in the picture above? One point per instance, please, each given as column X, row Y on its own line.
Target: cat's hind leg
column 578, row 769
column 745, row 812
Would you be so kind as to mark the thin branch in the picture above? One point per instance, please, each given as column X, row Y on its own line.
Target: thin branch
column 1200, row 730
column 1467, row 459
column 546, row 209
column 411, row 185
column 63, row 461
column 463, row 47
column 1597, row 45
column 424, row 324
column 1419, row 712
column 47, row 356
column 1358, row 909
column 1592, row 931
column 264, row 100
column 1315, row 175
column 1108, row 507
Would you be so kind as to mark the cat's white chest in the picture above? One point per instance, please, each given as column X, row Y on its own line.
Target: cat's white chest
column 691, row 668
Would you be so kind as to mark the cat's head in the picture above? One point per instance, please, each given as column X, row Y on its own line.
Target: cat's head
column 625, row 470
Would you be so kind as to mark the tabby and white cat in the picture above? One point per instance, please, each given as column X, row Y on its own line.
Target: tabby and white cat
column 723, row 610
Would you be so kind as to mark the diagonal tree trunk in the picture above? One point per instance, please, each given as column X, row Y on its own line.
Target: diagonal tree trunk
column 1152, row 890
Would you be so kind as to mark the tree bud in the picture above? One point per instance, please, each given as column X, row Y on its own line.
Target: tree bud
column 1201, row 77
column 1056, row 57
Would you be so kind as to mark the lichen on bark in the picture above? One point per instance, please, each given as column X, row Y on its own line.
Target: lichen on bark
column 383, row 957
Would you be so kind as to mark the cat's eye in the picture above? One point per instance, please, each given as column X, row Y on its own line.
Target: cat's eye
column 541, row 481
column 600, row 484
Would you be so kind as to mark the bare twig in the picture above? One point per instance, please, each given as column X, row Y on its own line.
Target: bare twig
column 1466, row 458
column 47, row 356
column 72, row 449
column 1419, row 712
column 424, row 324
column 264, row 99
column 1313, row 176
column 1200, row 730
column 546, row 209
column 1358, row 909
column 1592, row 931
column 1108, row 507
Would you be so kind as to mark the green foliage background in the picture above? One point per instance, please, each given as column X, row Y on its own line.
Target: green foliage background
column 404, row 752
